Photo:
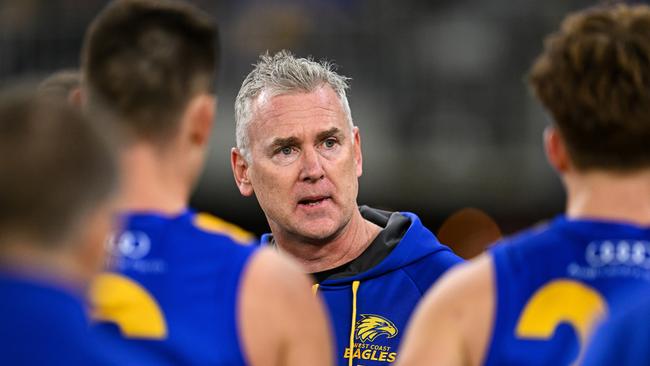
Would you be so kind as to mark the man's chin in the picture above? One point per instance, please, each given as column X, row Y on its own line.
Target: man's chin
column 319, row 234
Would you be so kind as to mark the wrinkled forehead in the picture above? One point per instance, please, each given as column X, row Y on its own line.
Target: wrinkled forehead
column 303, row 113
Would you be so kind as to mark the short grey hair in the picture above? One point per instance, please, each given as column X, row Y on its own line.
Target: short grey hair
column 283, row 73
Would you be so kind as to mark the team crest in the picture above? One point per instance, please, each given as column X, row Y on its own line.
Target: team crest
column 370, row 326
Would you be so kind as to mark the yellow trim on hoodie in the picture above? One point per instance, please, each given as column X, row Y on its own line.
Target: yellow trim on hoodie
column 355, row 288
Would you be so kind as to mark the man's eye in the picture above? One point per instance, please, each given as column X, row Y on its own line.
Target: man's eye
column 329, row 143
column 286, row 150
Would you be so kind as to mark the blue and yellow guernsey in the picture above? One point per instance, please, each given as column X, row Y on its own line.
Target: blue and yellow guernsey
column 371, row 299
column 554, row 283
column 43, row 322
column 623, row 339
column 173, row 287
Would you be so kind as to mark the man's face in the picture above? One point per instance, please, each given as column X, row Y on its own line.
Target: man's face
column 305, row 164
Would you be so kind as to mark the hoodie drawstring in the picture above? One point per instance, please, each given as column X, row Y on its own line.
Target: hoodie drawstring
column 355, row 288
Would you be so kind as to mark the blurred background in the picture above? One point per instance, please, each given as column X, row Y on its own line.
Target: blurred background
column 438, row 91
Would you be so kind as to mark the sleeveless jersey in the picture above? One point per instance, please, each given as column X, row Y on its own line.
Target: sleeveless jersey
column 554, row 283
column 173, row 287
column 43, row 322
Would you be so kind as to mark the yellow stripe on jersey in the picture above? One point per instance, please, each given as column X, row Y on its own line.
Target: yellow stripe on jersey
column 120, row 300
column 213, row 224
column 561, row 301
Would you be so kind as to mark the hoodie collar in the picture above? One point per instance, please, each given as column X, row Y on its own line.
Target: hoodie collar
column 394, row 227
column 383, row 254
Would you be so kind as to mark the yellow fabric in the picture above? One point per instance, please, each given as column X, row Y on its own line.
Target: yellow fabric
column 562, row 301
column 213, row 224
column 121, row 300
column 355, row 288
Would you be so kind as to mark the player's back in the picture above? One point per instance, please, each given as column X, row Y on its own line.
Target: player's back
column 623, row 339
column 174, row 289
column 553, row 283
column 42, row 322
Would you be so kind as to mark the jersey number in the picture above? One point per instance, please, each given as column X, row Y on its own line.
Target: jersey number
column 561, row 301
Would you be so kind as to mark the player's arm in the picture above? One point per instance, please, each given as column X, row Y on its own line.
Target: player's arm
column 282, row 323
column 452, row 325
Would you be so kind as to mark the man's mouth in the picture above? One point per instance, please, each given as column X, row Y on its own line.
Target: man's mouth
column 313, row 201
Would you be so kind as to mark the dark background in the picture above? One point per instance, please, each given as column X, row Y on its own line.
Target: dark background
column 438, row 91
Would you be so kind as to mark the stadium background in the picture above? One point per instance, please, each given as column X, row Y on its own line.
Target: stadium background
column 438, row 91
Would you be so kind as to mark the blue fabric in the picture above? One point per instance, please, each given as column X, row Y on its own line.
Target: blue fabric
column 623, row 340
column 580, row 260
column 389, row 291
column 194, row 276
column 45, row 324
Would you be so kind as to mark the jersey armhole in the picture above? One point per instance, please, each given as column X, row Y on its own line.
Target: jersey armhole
column 497, row 256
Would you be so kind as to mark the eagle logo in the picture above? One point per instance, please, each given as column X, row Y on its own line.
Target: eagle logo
column 372, row 326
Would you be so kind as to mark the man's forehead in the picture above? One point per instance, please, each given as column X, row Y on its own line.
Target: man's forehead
column 288, row 115
column 268, row 103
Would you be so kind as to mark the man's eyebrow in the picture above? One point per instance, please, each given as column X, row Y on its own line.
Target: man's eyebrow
column 285, row 141
column 329, row 133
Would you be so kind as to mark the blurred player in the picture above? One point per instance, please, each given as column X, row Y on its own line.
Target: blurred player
column 623, row 340
column 533, row 299
column 468, row 232
column 185, row 285
column 300, row 154
column 57, row 182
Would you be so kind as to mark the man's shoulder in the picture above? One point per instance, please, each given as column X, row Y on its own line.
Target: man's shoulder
column 429, row 268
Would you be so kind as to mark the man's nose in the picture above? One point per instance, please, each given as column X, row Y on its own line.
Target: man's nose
column 312, row 167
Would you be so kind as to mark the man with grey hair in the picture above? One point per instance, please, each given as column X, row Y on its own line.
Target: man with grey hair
column 300, row 154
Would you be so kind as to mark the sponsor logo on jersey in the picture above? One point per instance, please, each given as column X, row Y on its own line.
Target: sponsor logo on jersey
column 618, row 252
column 613, row 258
column 129, row 244
column 128, row 250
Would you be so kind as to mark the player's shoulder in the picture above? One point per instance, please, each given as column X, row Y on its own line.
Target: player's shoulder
column 216, row 227
column 464, row 299
column 272, row 269
column 460, row 305
column 467, row 280
column 462, row 288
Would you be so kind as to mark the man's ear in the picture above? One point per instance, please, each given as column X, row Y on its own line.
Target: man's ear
column 358, row 156
column 75, row 98
column 199, row 118
column 556, row 150
column 240, row 170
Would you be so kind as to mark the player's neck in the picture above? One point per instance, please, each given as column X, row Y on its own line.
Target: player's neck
column 345, row 247
column 610, row 196
column 151, row 181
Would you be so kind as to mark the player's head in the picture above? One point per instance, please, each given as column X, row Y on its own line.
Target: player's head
column 57, row 176
column 594, row 78
column 297, row 149
column 64, row 85
column 281, row 74
column 152, row 64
